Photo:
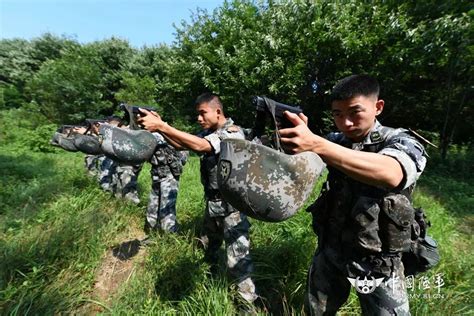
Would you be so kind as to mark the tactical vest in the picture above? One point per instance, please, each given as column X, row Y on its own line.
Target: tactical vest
column 209, row 163
column 166, row 160
column 356, row 219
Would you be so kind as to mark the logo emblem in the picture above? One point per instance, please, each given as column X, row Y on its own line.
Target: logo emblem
column 375, row 136
column 224, row 169
column 365, row 286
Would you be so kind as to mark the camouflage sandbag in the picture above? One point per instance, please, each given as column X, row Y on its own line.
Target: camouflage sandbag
column 65, row 142
column 264, row 183
column 125, row 145
column 88, row 144
column 55, row 139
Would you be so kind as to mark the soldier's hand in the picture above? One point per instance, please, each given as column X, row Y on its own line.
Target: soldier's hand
column 95, row 128
column 150, row 120
column 79, row 130
column 298, row 138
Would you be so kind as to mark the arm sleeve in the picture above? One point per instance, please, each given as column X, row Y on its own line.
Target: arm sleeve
column 410, row 154
column 215, row 142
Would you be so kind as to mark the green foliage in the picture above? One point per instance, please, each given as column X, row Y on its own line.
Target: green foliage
column 137, row 90
column 292, row 51
column 15, row 60
column 26, row 129
column 51, row 232
column 38, row 139
column 69, row 89
column 10, row 97
column 20, row 59
column 112, row 56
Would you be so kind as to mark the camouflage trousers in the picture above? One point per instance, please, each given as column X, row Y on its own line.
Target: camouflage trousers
column 233, row 229
column 92, row 164
column 161, row 210
column 106, row 176
column 329, row 287
column 126, row 179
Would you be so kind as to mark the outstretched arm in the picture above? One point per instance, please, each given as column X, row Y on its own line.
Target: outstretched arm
column 152, row 121
column 370, row 168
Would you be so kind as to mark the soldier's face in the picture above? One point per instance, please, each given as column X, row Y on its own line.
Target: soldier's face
column 355, row 117
column 208, row 116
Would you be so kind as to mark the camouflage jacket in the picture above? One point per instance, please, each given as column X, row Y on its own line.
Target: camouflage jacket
column 357, row 219
column 209, row 160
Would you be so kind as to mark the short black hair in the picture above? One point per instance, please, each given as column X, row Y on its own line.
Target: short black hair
column 354, row 86
column 114, row 118
column 208, row 97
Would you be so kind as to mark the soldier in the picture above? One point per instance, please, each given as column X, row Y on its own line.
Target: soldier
column 107, row 180
column 221, row 221
column 126, row 180
column 362, row 217
column 125, row 176
column 166, row 167
column 107, row 166
column 91, row 163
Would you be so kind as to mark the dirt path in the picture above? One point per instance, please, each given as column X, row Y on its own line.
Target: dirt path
column 116, row 269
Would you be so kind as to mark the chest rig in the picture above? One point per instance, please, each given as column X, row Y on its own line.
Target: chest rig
column 210, row 160
column 356, row 219
column 166, row 160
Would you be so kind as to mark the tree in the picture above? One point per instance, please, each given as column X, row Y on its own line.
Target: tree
column 20, row 59
column 113, row 56
column 69, row 89
column 137, row 90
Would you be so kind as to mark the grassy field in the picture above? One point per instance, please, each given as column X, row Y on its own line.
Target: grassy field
column 63, row 242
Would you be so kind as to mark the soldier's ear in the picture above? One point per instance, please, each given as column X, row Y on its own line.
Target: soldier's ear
column 379, row 106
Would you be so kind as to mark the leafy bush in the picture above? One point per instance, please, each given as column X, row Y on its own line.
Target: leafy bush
column 26, row 129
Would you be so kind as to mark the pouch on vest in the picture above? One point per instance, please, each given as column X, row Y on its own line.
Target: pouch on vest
column 395, row 223
column 319, row 211
column 365, row 233
column 162, row 171
column 217, row 208
column 423, row 253
column 176, row 168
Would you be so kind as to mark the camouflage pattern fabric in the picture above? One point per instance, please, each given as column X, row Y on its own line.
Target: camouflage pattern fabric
column 88, row 144
column 55, row 139
column 363, row 229
column 107, row 180
column 233, row 229
column 92, row 164
column 161, row 210
column 166, row 167
column 264, row 183
column 328, row 289
column 64, row 141
column 125, row 145
column 221, row 221
column 126, row 178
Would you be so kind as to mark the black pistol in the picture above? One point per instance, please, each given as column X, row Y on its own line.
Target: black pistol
column 269, row 108
column 132, row 113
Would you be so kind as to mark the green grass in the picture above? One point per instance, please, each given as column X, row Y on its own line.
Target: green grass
column 57, row 227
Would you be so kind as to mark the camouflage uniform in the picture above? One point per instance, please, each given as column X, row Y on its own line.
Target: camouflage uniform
column 107, row 180
column 221, row 221
column 92, row 164
column 126, row 178
column 363, row 229
column 166, row 167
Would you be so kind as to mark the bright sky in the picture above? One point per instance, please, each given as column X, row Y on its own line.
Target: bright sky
column 141, row 22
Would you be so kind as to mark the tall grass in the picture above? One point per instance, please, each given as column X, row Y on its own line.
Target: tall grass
column 56, row 228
